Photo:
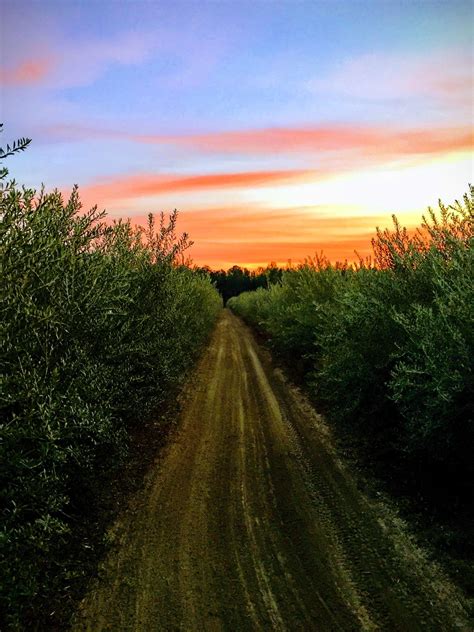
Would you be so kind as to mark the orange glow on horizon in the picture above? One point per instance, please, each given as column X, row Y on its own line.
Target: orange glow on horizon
column 254, row 255
column 254, row 218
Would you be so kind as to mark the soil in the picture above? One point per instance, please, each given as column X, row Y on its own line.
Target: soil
column 251, row 521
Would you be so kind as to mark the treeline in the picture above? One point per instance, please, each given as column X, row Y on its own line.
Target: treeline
column 237, row 280
column 386, row 346
column 99, row 324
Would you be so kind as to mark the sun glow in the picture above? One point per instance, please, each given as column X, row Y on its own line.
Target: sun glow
column 392, row 188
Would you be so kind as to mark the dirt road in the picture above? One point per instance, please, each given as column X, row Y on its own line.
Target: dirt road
column 250, row 522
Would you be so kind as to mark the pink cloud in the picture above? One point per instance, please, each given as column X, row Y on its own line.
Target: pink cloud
column 76, row 63
column 367, row 141
column 83, row 60
column 443, row 75
column 143, row 185
column 374, row 140
column 27, row 72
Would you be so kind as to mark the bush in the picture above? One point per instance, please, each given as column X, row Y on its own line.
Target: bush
column 432, row 381
column 99, row 322
column 387, row 347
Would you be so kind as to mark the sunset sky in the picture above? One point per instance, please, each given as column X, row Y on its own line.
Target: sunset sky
column 277, row 129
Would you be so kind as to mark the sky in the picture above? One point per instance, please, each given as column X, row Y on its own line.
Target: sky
column 278, row 129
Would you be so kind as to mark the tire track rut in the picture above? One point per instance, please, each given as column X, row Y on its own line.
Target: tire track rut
column 249, row 521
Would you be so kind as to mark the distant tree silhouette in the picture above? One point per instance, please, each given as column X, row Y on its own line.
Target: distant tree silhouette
column 237, row 280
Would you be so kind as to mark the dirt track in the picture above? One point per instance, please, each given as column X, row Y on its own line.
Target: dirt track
column 250, row 522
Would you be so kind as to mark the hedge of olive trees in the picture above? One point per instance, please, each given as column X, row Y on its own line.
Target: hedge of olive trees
column 99, row 322
column 387, row 346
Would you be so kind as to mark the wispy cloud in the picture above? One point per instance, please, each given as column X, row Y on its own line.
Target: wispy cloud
column 330, row 138
column 76, row 65
column 85, row 62
column 442, row 74
column 310, row 140
column 345, row 153
column 30, row 72
column 145, row 185
column 179, row 56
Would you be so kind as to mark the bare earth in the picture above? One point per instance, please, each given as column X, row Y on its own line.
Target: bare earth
column 250, row 522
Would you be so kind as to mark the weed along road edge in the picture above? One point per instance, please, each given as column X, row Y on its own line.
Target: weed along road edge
column 250, row 522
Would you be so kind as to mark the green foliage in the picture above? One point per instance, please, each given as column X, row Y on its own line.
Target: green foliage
column 237, row 280
column 432, row 381
column 17, row 146
column 387, row 347
column 99, row 322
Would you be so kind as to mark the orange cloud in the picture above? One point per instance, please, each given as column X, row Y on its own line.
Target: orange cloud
column 372, row 141
column 26, row 73
column 269, row 140
column 436, row 141
column 368, row 141
column 144, row 185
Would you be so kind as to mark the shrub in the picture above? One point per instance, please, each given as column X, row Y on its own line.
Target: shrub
column 432, row 381
column 99, row 322
column 387, row 346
